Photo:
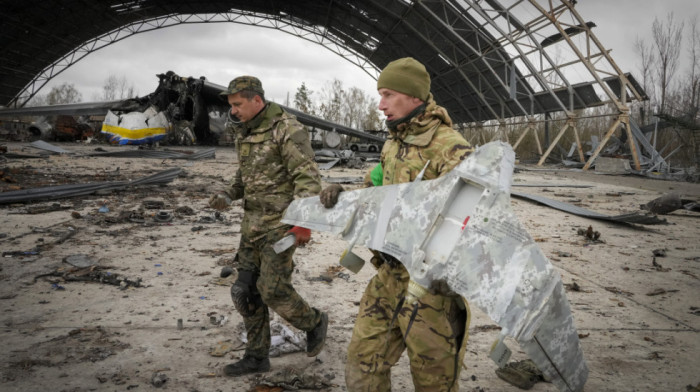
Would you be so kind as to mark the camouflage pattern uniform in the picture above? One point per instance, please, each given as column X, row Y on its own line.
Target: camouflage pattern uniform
column 437, row 337
column 275, row 166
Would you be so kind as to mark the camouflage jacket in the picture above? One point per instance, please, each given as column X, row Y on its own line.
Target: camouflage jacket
column 426, row 137
column 276, row 165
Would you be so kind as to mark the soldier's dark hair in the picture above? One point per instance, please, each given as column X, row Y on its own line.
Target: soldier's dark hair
column 250, row 94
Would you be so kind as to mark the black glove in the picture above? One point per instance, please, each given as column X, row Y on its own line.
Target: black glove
column 244, row 294
column 329, row 196
column 440, row 287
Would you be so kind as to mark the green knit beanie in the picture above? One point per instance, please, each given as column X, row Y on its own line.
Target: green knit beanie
column 406, row 76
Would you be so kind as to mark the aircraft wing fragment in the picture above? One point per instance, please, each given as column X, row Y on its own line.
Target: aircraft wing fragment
column 460, row 228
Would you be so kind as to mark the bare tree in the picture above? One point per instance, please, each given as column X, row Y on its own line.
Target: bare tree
column 648, row 58
column 352, row 107
column 117, row 88
column 667, row 39
column 65, row 93
column 693, row 89
column 36, row 100
column 331, row 100
column 372, row 119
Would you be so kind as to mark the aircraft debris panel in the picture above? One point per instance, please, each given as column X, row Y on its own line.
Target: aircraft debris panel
column 145, row 127
column 461, row 229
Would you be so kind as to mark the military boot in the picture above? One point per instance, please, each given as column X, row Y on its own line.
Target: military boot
column 247, row 365
column 317, row 337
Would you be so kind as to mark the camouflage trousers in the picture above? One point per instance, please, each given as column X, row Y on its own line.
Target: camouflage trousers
column 436, row 340
column 275, row 287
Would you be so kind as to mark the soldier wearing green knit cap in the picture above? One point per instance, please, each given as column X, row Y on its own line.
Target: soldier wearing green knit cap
column 435, row 331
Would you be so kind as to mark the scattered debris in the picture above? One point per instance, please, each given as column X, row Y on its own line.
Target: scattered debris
column 16, row 253
column 658, row 266
column 331, row 272
column 283, row 340
column 660, row 291
column 659, row 252
column 224, row 347
column 552, row 186
column 590, row 234
column 572, row 287
column 655, row 355
column 163, row 217
column 484, row 328
column 42, row 145
column 208, row 153
column 158, row 379
column 327, row 158
column 48, row 208
column 78, row 345
column 615, row 290
column 294, row 379
column 321, row 278
column 668, row 203
column 217, row 252
column 344, row 276
column 523, row 374
column 185, row 210
column 153, row 204
column 343, row 180
column 80, row 261
column 92, row 274
column 69, row 190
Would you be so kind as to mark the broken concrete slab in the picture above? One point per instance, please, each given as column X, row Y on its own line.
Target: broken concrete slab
column 612, row 165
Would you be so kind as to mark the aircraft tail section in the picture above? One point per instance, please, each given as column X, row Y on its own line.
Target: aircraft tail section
column 555, row 348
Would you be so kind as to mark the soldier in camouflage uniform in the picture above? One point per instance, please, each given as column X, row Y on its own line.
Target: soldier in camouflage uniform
column 436, row 334
column 276, row 166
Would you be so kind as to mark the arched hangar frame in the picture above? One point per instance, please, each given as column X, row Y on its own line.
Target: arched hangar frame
column 491, row 61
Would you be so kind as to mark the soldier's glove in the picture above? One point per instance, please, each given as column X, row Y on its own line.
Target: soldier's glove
column 220, row 201
column 329, row 196
column 440, row 287
column 301, row 234
column 244, row 293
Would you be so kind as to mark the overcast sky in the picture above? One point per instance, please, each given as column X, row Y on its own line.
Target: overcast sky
column 222, row 51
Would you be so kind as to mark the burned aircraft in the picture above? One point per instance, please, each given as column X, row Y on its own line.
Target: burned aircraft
column 182, row 110
column 460, row 229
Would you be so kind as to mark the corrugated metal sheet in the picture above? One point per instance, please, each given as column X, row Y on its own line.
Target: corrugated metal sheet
column 71, row 190
column 640, row 217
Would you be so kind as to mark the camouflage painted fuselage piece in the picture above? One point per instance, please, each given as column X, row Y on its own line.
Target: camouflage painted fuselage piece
column 276, row 165
column 460, row 228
